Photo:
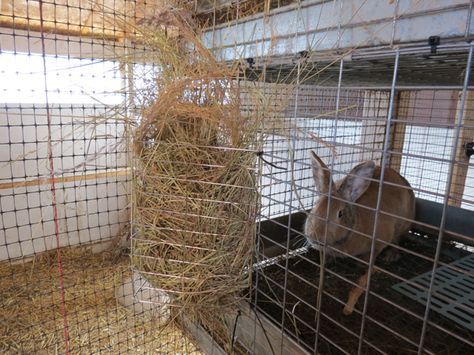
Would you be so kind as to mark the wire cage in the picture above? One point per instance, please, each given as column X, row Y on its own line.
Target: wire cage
column 421, row 130
column 350, row 82
column 66, row 79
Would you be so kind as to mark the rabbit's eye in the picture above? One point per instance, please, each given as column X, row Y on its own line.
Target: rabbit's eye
column 339, row 214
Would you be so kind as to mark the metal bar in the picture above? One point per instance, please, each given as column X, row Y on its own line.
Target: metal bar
column 468, row 21
column 379, row 198
column 401, row 87
column 272, row 261
column 394, row 21
column 259, row 181
column 288, row 235
column 280, row 10
column 335, row 27
column 408, row 49
column 324, row 246
column 446, row 198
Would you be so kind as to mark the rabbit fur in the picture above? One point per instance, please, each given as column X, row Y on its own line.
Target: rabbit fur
column 347, row 223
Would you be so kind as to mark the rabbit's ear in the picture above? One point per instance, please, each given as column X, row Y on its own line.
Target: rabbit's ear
column 357, row 182
column 321, row 175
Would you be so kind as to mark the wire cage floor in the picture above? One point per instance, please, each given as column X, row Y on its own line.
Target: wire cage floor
column 393, row 320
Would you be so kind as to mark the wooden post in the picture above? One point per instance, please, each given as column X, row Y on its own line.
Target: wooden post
column 374, row 113
column 398, row 131
column 201, row 337
column 462, row 160
column 65, row 179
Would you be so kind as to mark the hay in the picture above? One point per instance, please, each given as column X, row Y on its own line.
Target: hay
column 194, row 196
column 31, row 319
column 194, row 187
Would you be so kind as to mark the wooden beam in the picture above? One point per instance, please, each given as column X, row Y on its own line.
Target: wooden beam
column 402, row 104
column 200, row 337
column 374, row 113
column 51, row 27
column 253, row 331
column 466, row 135
column 64, row 179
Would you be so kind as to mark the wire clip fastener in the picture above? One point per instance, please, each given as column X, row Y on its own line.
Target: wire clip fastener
column 469, row 149
column 433, row 42
column 260, row 155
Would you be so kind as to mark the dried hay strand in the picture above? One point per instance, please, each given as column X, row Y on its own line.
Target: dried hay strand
column 31, row 320
column 194, row 184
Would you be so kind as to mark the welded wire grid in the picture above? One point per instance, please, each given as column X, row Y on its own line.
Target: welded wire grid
column 345, row 123
column 65, row 76
column 421, row 132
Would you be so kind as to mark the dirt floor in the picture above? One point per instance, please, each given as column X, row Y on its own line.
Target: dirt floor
column 31, row 319
column 388, row 328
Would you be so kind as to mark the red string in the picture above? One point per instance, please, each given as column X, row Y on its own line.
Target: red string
column 53, row 188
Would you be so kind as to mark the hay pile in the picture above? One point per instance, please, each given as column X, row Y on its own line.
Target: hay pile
column 31, row 321
column 194, row 190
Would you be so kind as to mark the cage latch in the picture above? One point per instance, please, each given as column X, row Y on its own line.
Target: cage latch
column 433, row 42
column 469, row 149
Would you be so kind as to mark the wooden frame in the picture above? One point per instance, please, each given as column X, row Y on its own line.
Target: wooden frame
column 398, row 130
column 253, row 330
column 466, row 135
column 64, row 179
column 375, row 110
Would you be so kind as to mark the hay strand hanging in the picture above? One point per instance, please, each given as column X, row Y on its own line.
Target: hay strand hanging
column 194, row 186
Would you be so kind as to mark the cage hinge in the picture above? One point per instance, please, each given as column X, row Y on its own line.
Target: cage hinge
column 469, row 149
column 433, row 42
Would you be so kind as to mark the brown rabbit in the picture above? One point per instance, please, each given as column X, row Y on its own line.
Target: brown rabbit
column 347, row 222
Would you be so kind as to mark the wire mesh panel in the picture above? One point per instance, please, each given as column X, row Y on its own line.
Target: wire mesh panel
column 316, row 287
column 68, row 71
column 361, row 157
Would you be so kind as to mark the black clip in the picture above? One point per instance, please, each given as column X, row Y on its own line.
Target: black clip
column 433, row 42
column 250, row 62
column 303, row 54
column 260, row 155
column 469, row 149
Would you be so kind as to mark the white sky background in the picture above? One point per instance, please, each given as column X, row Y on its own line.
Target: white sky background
column 70, row 80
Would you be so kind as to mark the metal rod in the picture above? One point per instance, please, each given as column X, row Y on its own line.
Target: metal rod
column 283, row 9
column 383, row 166
column 394, row 22
column 385, row 87
column 323, row 254
column 468, row 21
column 276, row 259
column 328, row 28
column 259, row 181
column 409, row 49
column 459, row 120
column 288, row 235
